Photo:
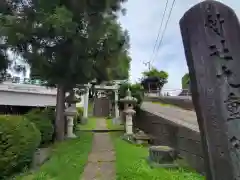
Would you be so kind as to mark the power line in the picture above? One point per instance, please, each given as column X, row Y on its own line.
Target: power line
column 159, row 30
column 165, row 28
column 166, row 25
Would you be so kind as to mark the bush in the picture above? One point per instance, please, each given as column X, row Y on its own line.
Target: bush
column 75, row 123
column 43, row 122
column 50, row 113
column 19, row 138
column 78, row 118
column 79, row 114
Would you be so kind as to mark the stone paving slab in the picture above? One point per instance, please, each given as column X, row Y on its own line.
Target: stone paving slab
column 101, row 124
column 101, row 160
column 105, row 156
column 90, row 171
column 104, row 145
column 108, row 169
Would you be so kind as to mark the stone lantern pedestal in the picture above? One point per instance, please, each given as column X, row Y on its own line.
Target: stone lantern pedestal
column 129, row 111
column 128, row 123
column 70, row 113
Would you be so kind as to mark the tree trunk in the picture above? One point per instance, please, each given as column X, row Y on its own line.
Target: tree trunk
column 60, row 107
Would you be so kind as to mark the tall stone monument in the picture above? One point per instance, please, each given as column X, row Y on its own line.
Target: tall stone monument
column 211, row 38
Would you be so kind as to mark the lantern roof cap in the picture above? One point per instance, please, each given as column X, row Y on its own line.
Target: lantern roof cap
column 129, row 98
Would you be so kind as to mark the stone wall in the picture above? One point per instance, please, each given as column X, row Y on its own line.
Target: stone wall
column 186, row 141
column 184, row 102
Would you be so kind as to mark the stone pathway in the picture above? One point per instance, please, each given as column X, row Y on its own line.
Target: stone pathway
column 101, row 160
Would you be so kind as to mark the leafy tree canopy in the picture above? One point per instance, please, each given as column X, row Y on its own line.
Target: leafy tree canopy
column 63, row 40
column 185, row 81
column 120, row 66
column 3, row 64
column 115, row 63
column 154, row 79
column 155, row 73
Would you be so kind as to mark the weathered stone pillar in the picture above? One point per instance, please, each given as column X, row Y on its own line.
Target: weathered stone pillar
column 116, row 104
column 86, row 98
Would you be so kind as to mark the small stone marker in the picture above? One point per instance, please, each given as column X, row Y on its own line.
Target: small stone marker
column 40, row 157
column 141, row 138
column 162, row 156
column 211, row 38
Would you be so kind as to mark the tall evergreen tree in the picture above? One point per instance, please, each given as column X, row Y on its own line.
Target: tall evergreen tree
column 65, row 42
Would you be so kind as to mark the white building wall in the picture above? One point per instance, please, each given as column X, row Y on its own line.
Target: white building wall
column 26, row 99
column 29, row 95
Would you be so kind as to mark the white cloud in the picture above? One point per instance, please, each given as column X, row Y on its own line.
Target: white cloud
column 143, row 20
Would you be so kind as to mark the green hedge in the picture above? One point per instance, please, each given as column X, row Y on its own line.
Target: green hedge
column 50, row 113
column 78, row 118
column 19, row 139
column 43, row 122
column 79, row 114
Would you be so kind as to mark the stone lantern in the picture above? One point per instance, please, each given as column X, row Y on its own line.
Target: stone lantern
column 129, row 103
column 70, row 113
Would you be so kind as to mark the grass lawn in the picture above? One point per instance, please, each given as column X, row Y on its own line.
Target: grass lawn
column 131, row 164
column 91, row 124
column 90, row 108
column 112, row 126
column 68, row 158
column 164, row 104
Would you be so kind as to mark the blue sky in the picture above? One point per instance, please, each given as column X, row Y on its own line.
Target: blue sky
column 142, row 20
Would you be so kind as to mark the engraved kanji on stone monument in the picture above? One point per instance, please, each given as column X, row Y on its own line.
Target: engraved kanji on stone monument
column 221, row 52
column 233, row 107
column 211, row 38
column 214, row 20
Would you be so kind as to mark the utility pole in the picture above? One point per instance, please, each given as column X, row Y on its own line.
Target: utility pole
column 148, row 64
